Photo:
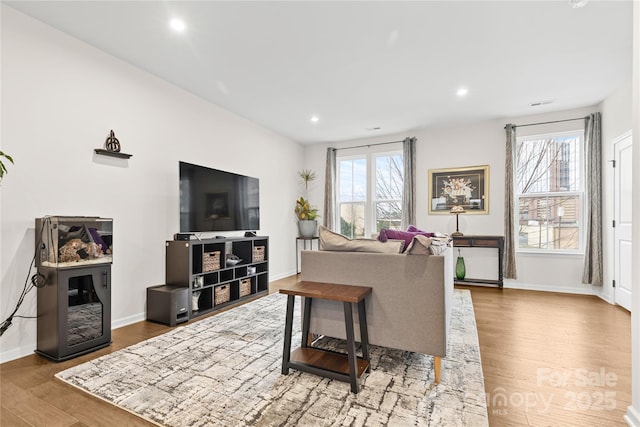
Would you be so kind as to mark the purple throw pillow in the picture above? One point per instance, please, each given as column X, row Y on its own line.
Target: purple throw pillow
column 414, row 229
column 407, row 236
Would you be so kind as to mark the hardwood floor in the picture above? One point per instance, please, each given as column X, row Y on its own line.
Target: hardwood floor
column 553, row 359
column 556, row 359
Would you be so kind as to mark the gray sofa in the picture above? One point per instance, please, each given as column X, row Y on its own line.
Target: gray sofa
column 410, row 306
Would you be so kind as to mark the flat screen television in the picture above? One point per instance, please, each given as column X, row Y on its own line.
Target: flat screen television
column 215, row 200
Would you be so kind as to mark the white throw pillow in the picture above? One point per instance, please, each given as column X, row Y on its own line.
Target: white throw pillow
column 420, row 245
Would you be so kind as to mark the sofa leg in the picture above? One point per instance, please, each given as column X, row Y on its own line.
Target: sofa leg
column 437, row 368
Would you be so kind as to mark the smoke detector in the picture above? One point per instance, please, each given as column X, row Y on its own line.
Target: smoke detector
column 539, row 103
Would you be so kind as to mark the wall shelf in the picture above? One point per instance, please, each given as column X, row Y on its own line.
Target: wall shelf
column 113, row 153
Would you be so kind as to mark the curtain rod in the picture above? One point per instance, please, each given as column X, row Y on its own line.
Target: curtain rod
column 369, row 145
column 546, row 123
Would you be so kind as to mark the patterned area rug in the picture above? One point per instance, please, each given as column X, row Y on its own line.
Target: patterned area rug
column 225, row 370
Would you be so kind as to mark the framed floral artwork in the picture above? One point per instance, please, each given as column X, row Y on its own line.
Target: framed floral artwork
column 467, row 187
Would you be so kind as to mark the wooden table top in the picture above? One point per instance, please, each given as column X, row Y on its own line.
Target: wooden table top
column 329, row 291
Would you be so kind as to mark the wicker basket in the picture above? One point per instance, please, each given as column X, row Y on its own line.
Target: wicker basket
column 211, row 261
column 245, row 287
column 222, row 294
column 258, row 253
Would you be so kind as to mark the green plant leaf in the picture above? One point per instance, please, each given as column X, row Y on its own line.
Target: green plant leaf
column 306, row 176
column 8, row 157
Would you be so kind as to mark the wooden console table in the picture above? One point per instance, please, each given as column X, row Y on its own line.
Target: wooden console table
column 496, row 242
column 338, row 366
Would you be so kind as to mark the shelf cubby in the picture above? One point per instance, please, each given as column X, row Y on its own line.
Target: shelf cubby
column 185, row 267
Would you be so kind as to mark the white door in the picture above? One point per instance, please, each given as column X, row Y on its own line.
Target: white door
column 622, row 217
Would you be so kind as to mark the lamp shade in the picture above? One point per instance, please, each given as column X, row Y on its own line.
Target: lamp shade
column 457, row 210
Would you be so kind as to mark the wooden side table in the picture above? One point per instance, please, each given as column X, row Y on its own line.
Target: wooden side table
column 496, row 242
column 338, row 366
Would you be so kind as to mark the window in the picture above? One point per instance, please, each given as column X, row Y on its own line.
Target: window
column 550, row 192
column 369, row 193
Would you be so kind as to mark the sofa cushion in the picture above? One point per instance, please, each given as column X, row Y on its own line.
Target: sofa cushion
column 330, row 241
column 406, row 236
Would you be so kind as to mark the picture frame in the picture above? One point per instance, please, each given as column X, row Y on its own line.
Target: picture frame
column 464, row 186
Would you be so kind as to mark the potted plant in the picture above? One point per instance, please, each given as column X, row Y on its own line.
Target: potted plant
column 307, row 215
column 3, row 168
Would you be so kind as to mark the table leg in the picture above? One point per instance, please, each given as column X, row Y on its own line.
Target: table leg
column 500, row 273
column 364, row 332
column 306, row 319
column 288, row 326
column 297, row 255
column 351, row 347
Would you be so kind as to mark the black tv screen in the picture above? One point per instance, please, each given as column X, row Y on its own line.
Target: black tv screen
column 215, row 200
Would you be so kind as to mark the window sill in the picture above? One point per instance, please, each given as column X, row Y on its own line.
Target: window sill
column 543, row 252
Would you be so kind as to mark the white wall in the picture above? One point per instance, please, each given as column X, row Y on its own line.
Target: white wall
column 484, row 144
column 616, row 121
column 60, row 98
column 633, row 411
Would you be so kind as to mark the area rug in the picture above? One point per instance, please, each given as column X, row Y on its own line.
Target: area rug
column 225, row 370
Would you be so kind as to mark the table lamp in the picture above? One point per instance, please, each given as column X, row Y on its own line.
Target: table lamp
column 457, row 210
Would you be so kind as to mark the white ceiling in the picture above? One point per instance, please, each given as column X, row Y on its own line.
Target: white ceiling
column 365, row 64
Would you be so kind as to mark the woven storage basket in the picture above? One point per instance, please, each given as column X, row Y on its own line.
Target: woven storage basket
column 211, row 261
column 245, row 287
column 258, row 253
column 221, row 294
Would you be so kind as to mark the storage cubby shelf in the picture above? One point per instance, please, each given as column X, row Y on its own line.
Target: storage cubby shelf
column 187, row 263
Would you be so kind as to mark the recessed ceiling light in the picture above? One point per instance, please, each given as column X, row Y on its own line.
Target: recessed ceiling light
column 222, row 87
column 177, row 25
column 314, row 119
column 576, row 4
column 393, row 37
column 462, row 91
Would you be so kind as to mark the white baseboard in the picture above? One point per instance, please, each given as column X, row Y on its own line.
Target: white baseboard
column 273, row 278
column 632, row 417
column 125, row 321
column 27, row 350
column 17, row 353
column 549, row 288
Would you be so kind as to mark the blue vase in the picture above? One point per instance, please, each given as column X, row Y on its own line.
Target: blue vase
column 460, row 268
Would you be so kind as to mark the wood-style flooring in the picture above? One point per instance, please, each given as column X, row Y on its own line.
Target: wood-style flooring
column 548, row 360
column 553, row 359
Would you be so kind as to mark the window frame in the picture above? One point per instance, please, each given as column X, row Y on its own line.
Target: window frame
column 339, row 203
column 579, row 192
column 370, row 156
